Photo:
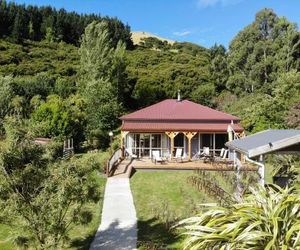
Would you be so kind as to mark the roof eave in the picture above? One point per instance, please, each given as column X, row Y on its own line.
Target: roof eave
column 267, row 148
column 124, row 118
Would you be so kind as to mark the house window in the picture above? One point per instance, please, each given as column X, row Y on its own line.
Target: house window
column 221, row 139
column 156, row 141
column 145, row 144
column 179, row 141
column 207, row 140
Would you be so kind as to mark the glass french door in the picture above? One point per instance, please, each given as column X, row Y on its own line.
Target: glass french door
column 143, row 144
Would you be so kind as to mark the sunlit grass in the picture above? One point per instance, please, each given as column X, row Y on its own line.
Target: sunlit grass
column 161, row 198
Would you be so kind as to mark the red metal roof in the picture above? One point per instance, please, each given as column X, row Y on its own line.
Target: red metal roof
column 172, row 109
column 144, row 126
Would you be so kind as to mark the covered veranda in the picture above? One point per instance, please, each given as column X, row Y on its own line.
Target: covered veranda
column 192, row 143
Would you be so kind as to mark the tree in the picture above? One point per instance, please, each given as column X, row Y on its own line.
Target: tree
column 204, row 94
column 102, row 77
column 218, row 67
column 17, row 29
column 267, row 219
column 260, row 51
column 22, row 22
column 6, row 96
column 45, row 198
column 18, row 106
column 293, row 118
column 50, row 36
column 59, row 118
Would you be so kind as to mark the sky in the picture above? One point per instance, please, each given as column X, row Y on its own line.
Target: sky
column 204, row 22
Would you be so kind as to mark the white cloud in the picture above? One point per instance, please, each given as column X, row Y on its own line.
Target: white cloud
column 182, row 33
column 212, row 3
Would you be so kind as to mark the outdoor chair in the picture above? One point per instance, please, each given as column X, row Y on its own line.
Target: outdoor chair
column 205, row 152
column 178, row 154
column 224, row 159
column 222, row 156
column 222, row 153
column 205, row 155
column 130, row 154
column 157, row 158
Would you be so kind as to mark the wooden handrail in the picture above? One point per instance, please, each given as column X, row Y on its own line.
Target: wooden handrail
column 115, row 158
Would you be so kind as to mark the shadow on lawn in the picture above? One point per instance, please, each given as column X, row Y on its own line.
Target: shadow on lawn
column 113, row 236
column 154, row 235
column 83, row 244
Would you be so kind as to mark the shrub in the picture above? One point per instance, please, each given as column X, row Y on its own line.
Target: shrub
column 267, row 219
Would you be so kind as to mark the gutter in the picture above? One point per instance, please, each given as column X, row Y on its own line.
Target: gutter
column 254, row 162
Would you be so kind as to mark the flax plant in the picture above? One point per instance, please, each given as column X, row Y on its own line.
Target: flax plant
column 268, row 218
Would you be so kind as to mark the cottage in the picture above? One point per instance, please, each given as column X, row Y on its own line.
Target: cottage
column 176, row 123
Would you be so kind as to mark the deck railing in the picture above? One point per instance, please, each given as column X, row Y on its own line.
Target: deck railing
column 113, row 161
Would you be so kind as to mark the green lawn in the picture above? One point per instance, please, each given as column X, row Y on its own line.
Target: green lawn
column 5, row 243
column 160, row 199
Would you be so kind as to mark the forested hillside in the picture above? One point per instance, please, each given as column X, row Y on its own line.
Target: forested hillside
column 19, row 22
column 46, row 77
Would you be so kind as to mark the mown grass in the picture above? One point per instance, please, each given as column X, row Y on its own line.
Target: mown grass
column 162, row 198
column 5, row 233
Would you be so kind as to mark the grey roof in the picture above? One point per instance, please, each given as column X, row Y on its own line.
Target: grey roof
column 265, row 142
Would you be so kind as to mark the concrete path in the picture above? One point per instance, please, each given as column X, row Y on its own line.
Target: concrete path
column 118, row 229
column 123, row 170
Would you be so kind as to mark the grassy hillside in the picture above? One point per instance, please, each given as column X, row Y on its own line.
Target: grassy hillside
column 137, row 37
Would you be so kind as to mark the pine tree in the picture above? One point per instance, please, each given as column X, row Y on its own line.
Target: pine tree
column 17, row 29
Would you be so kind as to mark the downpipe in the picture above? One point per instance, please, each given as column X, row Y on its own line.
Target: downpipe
column 261, row 169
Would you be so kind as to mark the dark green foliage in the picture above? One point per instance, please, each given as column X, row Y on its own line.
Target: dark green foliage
column 261, row 51
column 154, row 43
column 190, row 48
column 19, row 22
column 156, row 75
column 57, row 59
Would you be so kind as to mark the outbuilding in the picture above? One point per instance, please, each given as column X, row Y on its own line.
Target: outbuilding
column 254, row 147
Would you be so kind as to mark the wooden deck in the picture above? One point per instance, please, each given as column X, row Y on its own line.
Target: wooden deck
column 188, row 165
column 124, row 169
